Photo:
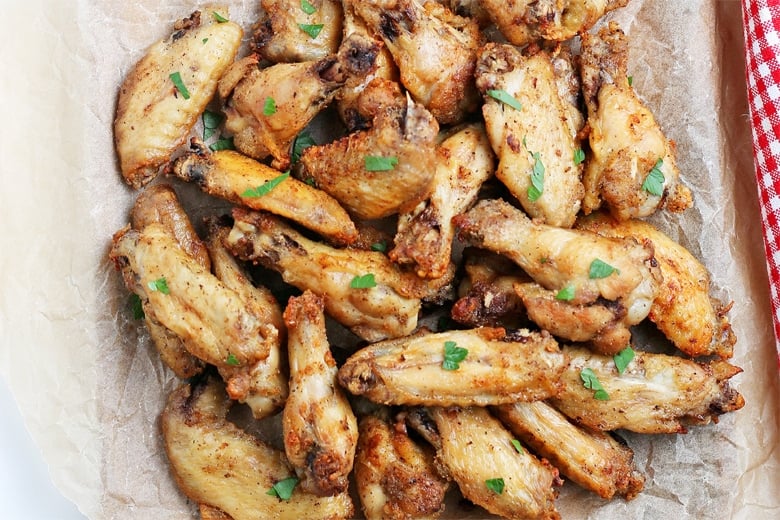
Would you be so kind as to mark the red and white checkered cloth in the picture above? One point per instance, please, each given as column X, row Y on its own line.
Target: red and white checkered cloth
column 762, row 49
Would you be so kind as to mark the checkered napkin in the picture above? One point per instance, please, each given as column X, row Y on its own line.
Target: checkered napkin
column 762, row 45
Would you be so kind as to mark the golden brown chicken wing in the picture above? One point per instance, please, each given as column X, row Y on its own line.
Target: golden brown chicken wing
column 162, row 97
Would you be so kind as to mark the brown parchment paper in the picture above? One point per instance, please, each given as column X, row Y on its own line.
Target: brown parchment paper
column 90, row 385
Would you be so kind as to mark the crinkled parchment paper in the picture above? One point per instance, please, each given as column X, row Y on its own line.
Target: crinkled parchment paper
column 90, row 385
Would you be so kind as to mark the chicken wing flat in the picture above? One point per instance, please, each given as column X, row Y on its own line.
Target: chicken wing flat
column 267, row 108
column 435, row 51
column 632, row 165
column 524, row 21
column 228, row 471
column 164, row 94
column 593, row 459
column 424, row 237
column 320, row 431
column 459, row 367
column 396, row 478
column 380, row 171
column 656, row 393
column 287, row 33
column 535, row 144
column 479, row 455
column 386, row 308
column 578, row 267
column 242, row 180
column 267, row 378
column 683, row 310
column 159, row 204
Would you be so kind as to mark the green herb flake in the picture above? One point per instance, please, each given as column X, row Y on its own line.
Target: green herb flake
column 232, row 360
column 623, row 358
column 453, row 355
column 536, row 188
column 591, row 382
column 302, row 142
column 307, row 8
column 312, row 30
column 654, row 182
column 579, row 156
column 179, row 84
column 136, row 307
column 269, row 106
column 375, row 163
column 161, row 285
column 380, row 246
column 496, row 485
column 284, row 488
column 266, row 187
column 205, row 41
column 367, row 281
column 219, row 18
column 630, row 80
column 600, row 269
column 518, row 447
column 211, row 121
column 506, row 98
column 566, row 294
column 223, row 143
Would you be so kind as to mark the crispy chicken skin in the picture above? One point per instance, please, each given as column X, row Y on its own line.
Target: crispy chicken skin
column 159, row 204
column 524, row 21
column 434, row 49
column 236, row 178
column 396, row 477
column 593, row 459
column 297, row 93
column 424, row 237
column 278, row 36
column 387, row 310
column 268, row 379
column 320, row 431
column 657, row 393
column 561, row 259
column 153, row 117
column 474, row 447
column 683, row 310
column 626, row 142
column 228, row 471
column 538, row 137
column 406, row 134
column 498, row 368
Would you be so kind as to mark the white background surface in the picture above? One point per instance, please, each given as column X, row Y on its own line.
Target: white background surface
column 26, row 491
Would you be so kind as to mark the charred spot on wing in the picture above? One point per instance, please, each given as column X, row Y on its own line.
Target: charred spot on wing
column 389, row 27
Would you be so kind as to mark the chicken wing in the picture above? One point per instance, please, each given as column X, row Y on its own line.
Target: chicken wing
column 267, row 108
column 159, row 203
column 164, row 94
column 228, row 471
column 288, row 33
column 632, row 165
column 396, row 478
column 434, row 49
column 479, row 455
column 241, row 180
column 656, row 393
column 533, row 139
column 380, row 171
column 578, row 268
column 459, row 367
column 683, row 310
column 524, row 21
column 320, row 431
column 595, row 460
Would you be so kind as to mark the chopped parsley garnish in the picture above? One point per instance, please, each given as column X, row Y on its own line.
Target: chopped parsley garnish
column 312, row 30
column 518, row 447
column 232, row 360
column 366, row 281
column 579, row 156
column 565, row 294
column 205, row 40
column 453, row 355
column 630, row 80
column 376, row 163
column 506, row 98
column 223, row 143
column 269, row 106
column 266, row 187
column 211, row 121
column 179, row 84
column 161, row 285
column 591, row 382
column 137, row 307
column 219, row 18
column 623, row 358
column 536, row 188
column 380, row 246
column 496, row 485
column 601, row 269
column 307, row 8
column 302, row 142
column 654, row 182
column 284, row 488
